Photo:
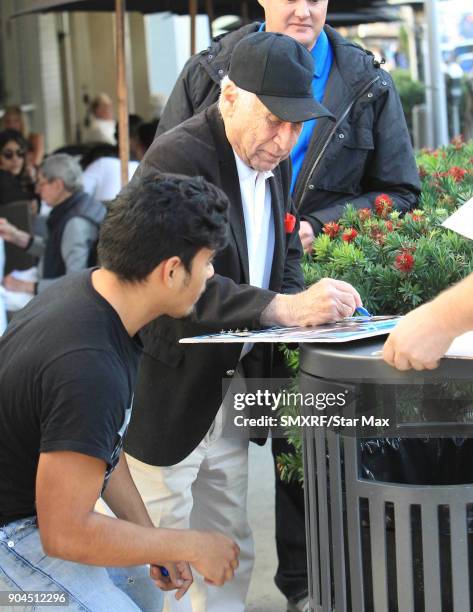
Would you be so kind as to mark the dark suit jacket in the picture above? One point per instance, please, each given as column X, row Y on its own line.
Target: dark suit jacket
column 12, row 189
column 179, row 389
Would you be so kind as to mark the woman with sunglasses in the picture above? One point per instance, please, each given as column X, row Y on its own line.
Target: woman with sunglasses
column 15, row 182
column 14, row 119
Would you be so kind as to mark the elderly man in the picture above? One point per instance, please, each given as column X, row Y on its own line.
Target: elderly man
column 366, row 152
column 73, row 225
column 240, row 146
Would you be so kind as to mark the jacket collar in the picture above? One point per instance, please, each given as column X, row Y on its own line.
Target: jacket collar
column 230, row 183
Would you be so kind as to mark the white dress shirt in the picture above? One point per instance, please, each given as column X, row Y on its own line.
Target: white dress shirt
column 259, row 222
column 102, row 178
column 259, row 226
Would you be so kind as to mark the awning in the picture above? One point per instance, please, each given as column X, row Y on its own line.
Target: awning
column 341, row 12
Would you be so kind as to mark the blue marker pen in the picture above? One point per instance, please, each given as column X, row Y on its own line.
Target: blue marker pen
column 362, row 311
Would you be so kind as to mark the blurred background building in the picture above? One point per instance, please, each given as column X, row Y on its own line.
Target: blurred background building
column 52, row 64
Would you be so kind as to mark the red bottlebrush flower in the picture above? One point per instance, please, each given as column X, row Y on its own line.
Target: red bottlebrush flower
column 331, row 229
column 383, row 205
column 289, row 223
column 364, row 214
column 389, row 226
column 349, row 234
column 415, row 217
column 404, row 261
column 457, row 173
column 377, row 235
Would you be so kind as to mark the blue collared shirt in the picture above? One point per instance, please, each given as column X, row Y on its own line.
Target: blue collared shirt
column 323, row 59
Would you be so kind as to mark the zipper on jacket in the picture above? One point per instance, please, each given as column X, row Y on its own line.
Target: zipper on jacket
column 330, row 136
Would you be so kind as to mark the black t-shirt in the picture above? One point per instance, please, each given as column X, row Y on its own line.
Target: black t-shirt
column 67, row 373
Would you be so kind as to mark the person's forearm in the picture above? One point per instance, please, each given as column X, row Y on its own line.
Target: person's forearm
column 278, row 312
column 227, row 305
column 123, row 498
column 20, row 238
column 109, row 542
column 454, row 307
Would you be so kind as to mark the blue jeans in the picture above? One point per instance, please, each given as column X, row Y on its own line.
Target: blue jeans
column 24, row 566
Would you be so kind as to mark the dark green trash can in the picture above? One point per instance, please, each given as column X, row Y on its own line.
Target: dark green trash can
column 389, row 509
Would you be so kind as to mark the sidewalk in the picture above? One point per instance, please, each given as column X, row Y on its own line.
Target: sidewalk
column 263, row 595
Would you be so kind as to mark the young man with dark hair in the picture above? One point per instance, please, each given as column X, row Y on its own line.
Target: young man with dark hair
column 68, row 365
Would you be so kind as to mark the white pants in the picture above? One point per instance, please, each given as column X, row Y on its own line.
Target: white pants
column 207, row 490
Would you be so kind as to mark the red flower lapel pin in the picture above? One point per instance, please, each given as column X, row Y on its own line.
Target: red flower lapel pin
column 289, row 223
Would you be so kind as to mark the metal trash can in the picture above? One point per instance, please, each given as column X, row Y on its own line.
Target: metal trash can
column 394, row 543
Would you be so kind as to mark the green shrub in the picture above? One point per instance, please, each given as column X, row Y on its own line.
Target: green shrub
column 396, row 263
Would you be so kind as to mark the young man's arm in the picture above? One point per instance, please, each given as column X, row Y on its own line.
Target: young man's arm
column 68, row 485
column 123, row 498
column 423, row 337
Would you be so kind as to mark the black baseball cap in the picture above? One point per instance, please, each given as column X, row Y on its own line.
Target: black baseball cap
column 279, row 70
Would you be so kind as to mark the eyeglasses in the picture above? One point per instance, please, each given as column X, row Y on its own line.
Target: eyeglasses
column 11, row 153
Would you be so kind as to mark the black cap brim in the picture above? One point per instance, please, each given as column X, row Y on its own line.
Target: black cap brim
column 295, row 110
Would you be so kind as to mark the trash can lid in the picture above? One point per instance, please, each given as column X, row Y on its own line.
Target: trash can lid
column 363, row 360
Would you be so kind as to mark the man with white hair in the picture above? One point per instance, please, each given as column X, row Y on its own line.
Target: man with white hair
column 365, row 153
column 242, row 146
column 72, row 226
